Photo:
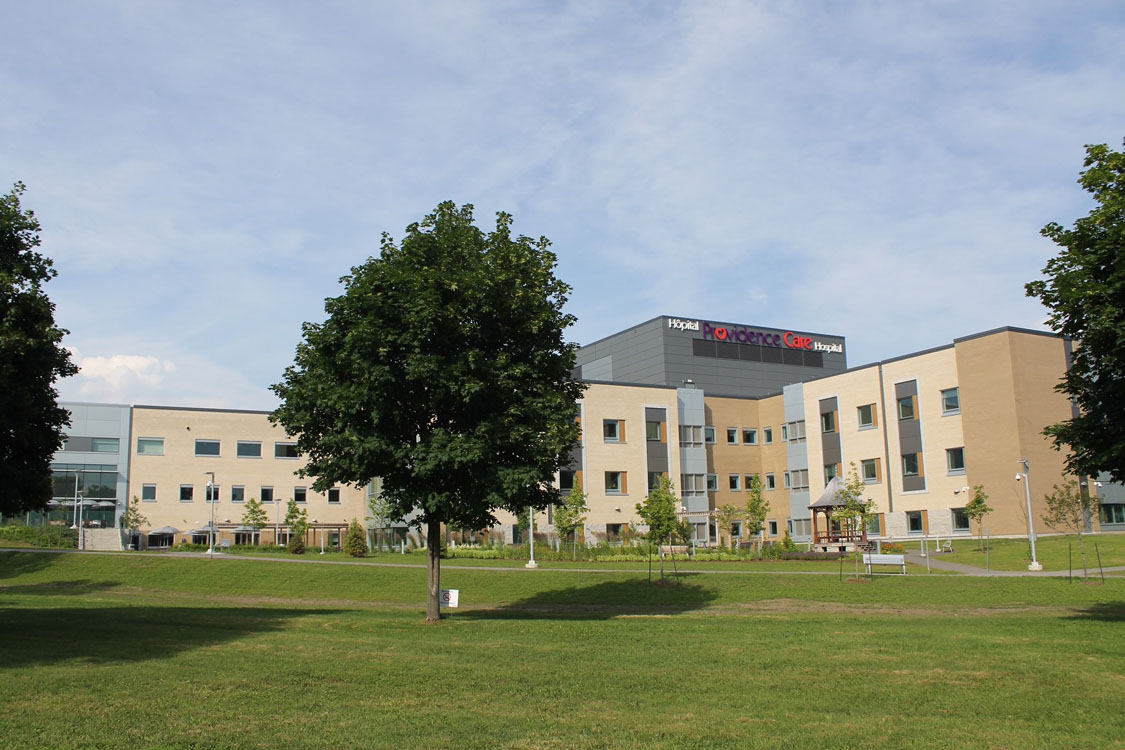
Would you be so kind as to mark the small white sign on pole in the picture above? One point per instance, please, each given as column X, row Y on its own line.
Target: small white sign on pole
column 449, row 597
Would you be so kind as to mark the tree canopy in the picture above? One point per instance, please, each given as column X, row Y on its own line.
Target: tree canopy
column 1084, row 290
column 32, row 358
column 443, row 370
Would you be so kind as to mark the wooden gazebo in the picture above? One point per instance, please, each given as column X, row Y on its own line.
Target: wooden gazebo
column 833, row 532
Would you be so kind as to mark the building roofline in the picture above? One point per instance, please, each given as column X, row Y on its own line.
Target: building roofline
column 724, row 322
column 201, row 408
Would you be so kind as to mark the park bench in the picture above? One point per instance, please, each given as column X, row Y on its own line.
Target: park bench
column 871, row 558
column 224, row 546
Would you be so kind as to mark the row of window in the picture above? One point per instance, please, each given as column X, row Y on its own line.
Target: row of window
column 868, row 417
column 211, row 448
column 211, row 493
column 696, row 436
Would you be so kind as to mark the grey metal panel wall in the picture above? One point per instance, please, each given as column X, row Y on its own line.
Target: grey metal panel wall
column 830, row 442
column 797, row 453
column 657, row 452
column 655, row 353
column 102, row 421
column 599, row 369
column 910, row 435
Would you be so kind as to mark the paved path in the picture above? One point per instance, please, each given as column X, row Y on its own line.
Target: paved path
column 936, row 563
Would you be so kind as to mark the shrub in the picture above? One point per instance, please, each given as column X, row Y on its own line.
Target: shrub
column 355, row 543
column 296, row 545
column 41, row 536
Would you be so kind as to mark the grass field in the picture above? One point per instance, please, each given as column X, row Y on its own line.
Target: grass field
column 107, row 651
column 1052, row 551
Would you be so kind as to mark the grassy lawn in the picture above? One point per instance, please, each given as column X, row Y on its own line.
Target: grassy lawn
column 1012, row 554
column 106, row 651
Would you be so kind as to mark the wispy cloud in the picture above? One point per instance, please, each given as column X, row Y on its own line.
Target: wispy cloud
column 206, row 172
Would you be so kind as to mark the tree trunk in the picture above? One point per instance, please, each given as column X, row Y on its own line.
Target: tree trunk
column 433, row 571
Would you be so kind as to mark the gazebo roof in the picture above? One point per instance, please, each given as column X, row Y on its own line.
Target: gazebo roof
column 828, row 497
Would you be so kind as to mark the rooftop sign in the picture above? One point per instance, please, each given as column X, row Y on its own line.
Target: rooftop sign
column 744, row 335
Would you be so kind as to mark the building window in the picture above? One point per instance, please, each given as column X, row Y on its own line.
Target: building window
column 1112, row 513
column 566, row 480
column 211, row 493
column 712, row 482
column 874, row 525
column 148, row 493
column 732, row 436
column 237, row 493
column 771, row 483
column 248, row 449
column 869, row 467
column 748, row 480
column 615, row 482
column 654, row 478
column 797, row 479
column 828, row 422
column 788, row 481
column 300, row 495
column 652, row 432
column 692, row 484
column 709, row 435
column 613, row 430
column 955, row 459
column 950, row 401
column 960, row 520
column 906, row 407
column 150, row 446
column 793, row 431
column 206, row 447
column 691, row 436
column 914, row 521
column 267, row 494
column 736, row 530
column 773, row 528
column 333, row 495
column 831, row 471
column 866, row 414
column 285, row 450
column 749, row 437
column 735, row 482
column 186, row 492
column 767, row 435
column 785, row 432
column 910, row 464
column 104, row 445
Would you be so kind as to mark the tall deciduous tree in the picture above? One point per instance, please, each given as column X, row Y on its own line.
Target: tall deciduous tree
column 1085, row 292
column 443, row 370
column 32, row 358
column 727, row 516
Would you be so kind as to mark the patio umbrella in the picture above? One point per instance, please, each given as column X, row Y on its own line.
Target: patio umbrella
column 106, row 504
column 163, row 531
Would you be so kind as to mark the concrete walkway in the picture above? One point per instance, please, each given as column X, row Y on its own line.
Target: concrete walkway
column 936, row 563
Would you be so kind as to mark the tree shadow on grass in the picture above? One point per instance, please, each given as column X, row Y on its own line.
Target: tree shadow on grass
column 604, row 601
column 14, row 563
column 107, row 635
column 57, row 588
column 1104, row 611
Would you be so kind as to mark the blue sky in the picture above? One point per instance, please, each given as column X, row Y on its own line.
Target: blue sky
column 205, row 172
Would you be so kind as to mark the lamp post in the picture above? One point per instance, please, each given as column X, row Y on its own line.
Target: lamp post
column 531, row 537
column 211, row 500
column 75, row 524
column 1030, row 524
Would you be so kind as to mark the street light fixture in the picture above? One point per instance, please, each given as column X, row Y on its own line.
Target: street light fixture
column 211, row 500
column 1030, row 524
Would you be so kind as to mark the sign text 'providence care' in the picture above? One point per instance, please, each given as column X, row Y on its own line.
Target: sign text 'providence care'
column 742, row 335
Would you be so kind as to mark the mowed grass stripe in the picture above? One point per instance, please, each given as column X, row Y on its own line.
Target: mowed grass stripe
column 86, row 661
